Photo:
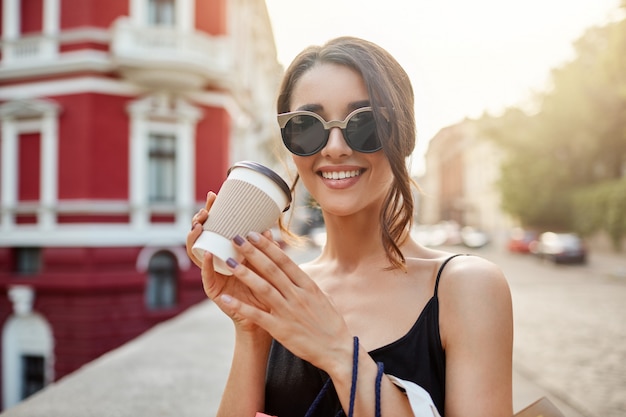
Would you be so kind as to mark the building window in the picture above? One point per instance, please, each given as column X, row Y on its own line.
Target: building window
column 162, row 281
column 27, row 261
column 162, row 161
column 33, row 374
column 162, row 12
column 28, row 165
column 162, row 168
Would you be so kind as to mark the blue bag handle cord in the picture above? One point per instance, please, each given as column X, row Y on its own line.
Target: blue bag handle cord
column 379, row 377
column 355, row 368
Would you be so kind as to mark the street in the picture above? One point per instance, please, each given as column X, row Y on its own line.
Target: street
column 569, row 346
column 570, row 330
column 570, row 327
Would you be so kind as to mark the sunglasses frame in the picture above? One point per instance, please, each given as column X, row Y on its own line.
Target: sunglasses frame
column 284, row 118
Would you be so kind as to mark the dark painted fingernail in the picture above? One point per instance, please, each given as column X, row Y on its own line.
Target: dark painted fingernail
column 238, row 240
column 254, row 237
column 232, row 263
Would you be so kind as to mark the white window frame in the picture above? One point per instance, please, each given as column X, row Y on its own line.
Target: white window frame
column 184, row 14
column 158, row 15
column 162, row 113
column 30, row 116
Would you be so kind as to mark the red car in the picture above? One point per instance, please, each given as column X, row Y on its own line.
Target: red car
column 520, row 240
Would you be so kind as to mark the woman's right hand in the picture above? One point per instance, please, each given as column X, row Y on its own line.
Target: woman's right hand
column 214, row 283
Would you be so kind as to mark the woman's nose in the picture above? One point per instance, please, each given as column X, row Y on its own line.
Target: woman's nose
column 336, row 145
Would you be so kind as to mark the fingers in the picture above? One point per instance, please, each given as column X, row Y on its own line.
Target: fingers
column 270, row 235
column 264, row 291
column 213, row 286
column 210, row 199
column 272, row 266
column 290, row 307
column 212, row 282
column 278, row 257
column 208, row 276
column 203, row 214
column 192, row 236
column 196, row 226
column 236, row 308
column 199, row 218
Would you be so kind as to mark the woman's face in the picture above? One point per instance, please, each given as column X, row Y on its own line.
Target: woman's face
column 343, row 181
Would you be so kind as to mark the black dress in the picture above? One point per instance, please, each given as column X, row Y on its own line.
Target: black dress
column 292, row 383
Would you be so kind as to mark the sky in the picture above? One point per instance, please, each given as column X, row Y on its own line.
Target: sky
column 464, row 57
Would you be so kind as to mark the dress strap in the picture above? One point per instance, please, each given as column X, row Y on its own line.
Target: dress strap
column 441, row 270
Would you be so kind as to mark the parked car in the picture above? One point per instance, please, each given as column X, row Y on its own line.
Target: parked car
column 429, row 235
column 443, row 233
column 521, row 239
column 474, row 238
column 560, row 248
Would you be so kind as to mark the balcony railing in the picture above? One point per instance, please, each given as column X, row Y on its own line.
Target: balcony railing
column 166, row 56
column 29, row 49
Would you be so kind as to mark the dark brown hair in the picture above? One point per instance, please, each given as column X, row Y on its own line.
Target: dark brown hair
column 391, row 97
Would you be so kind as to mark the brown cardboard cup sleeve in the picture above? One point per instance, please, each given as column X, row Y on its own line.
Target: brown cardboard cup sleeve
column 251, row 199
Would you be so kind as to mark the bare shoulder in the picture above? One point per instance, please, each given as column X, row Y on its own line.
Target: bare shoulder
column 474, row 299
column 467, row 275
column 476, row 330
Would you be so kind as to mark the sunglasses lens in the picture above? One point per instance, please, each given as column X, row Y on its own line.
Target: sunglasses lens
column 304, row 135
column 361, row 132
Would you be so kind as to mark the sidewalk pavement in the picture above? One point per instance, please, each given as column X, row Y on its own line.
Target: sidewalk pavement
column 178, row 368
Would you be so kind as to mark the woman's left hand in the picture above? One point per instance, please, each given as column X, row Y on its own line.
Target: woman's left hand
column 300, row 316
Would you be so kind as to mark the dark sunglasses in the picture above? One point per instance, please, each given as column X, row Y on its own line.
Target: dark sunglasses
column 306, row 133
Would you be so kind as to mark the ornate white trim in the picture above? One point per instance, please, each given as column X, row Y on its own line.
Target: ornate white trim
column 71, row 86
column 143, row 260
column 25, row 332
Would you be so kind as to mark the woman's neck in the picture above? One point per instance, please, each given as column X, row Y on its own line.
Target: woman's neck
column 353, row 242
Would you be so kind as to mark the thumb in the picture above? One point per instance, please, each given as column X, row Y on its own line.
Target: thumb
column 209, row 276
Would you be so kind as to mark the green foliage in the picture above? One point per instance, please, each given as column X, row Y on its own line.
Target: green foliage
column 576, row 139
column 601, row 207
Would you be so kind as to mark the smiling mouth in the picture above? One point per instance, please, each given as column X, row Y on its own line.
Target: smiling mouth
column 340, row 175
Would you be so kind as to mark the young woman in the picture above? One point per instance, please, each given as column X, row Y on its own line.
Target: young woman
column 440, row 321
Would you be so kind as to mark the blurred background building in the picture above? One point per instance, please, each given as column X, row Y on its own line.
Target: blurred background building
column 116, row 118
column 459, row 184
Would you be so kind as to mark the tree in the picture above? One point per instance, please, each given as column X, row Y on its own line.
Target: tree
column 576, row 139
column 532, row 185
column 602, row 207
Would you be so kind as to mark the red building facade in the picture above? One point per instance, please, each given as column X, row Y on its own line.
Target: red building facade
column 116, row 118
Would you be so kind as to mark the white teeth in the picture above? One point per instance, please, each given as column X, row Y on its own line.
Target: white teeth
column 340, row 175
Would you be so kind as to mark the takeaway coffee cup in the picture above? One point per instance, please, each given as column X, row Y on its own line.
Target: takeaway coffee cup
column 251, row 199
